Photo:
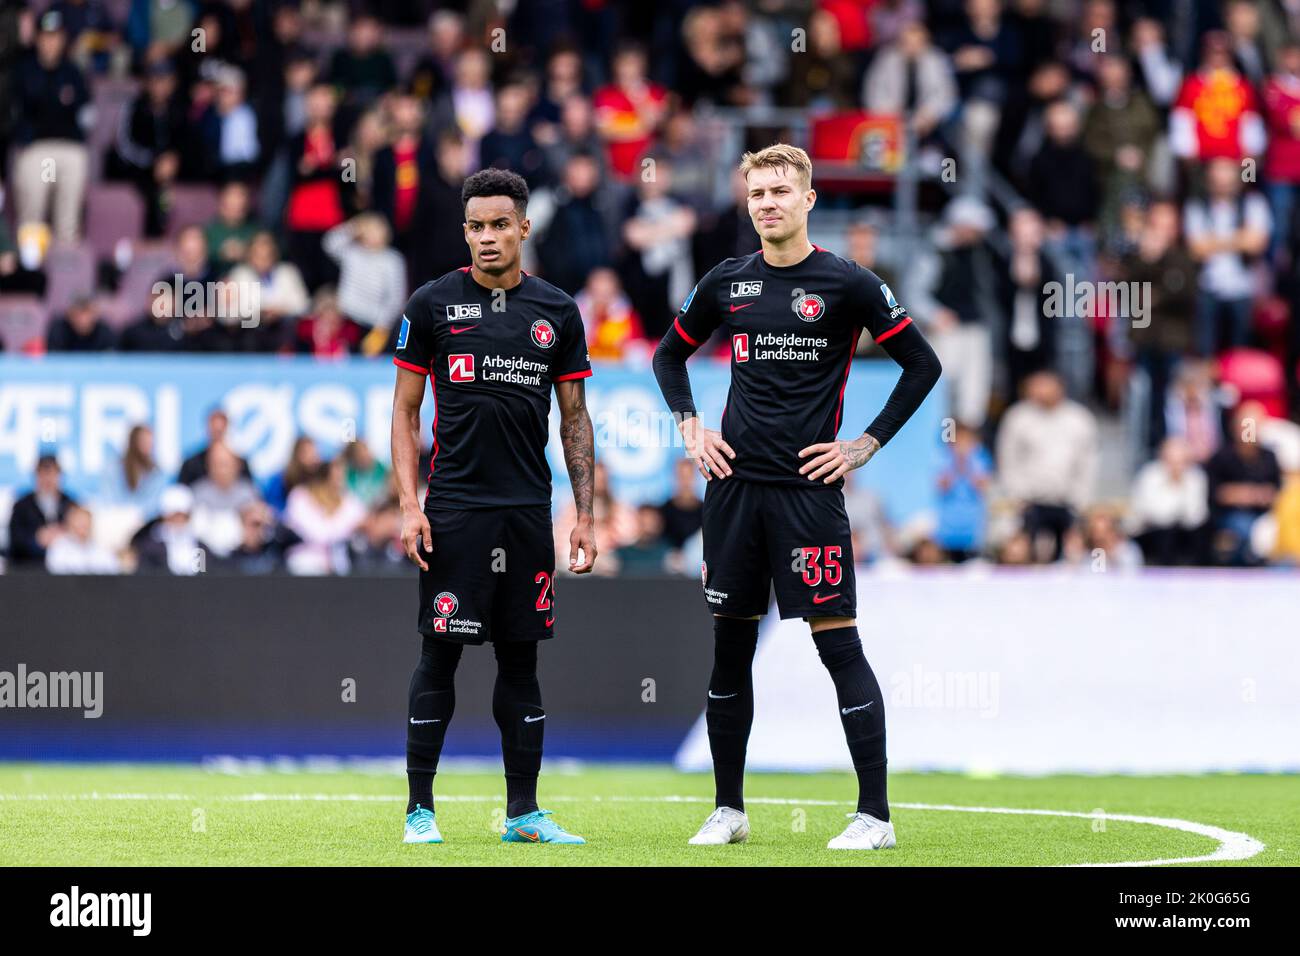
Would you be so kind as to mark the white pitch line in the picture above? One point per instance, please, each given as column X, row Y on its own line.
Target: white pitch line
column 1232, row 844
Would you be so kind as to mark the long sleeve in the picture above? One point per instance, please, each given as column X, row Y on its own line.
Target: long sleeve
column 338, row 242
column 697, row 319
column 921, row 370
column 670, row 372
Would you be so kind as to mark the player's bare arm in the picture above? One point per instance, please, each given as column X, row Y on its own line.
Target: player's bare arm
column 832, row 460
column 579, row 443
column 408, row 394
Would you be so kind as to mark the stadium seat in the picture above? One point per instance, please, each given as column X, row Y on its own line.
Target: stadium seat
column 113, row 211
column 119, row 10
column 110, row 97
column 23, row 319
column 193, row 204
column 1257, row 376
column 70, row 271
column 151, row 263
column 406, row 47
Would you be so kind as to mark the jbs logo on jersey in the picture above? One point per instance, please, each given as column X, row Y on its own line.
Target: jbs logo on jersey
column 543, row 333
column 445, row 604
column 460, row 368
column 470, row 310
column 740, row 346
column 741, row 290
column 809, row 307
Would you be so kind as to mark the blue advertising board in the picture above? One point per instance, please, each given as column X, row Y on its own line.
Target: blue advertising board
column 81, row 408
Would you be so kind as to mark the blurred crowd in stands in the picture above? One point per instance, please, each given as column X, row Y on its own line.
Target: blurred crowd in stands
column 1106, row 259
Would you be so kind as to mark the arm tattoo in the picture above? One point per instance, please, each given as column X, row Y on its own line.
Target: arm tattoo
column 858, row 453
column 579, row 443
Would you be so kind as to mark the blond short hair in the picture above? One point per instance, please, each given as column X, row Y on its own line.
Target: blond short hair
column 780, row 156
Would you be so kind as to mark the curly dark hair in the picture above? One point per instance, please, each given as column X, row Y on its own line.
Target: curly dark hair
column 496, row 182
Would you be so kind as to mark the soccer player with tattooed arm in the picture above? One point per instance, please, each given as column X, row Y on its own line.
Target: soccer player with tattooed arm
column 774, row 510
column 492, row 342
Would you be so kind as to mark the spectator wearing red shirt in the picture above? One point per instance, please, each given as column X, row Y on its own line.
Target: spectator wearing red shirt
column 629, row 110
column 1215, row 115
column 327, row 333
column 1282, row 168
column 403, row 173
column 854, row 19
column 316, row 200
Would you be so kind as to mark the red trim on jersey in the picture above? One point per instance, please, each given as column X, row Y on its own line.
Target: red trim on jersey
column 433, row 457
column 409, row 367
column 818, row 248
column 585, row 373
column 677, row 324
column 895, row 330
column 465, row 268
column 839, row 411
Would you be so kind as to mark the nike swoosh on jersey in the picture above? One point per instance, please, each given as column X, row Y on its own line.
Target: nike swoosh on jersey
column 737, row 308
column 533, row 720
column 463, row 328
column 722, row 696
column 818, row 599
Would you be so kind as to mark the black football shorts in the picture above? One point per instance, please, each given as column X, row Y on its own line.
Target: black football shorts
column 759, row 535
column 491, row 575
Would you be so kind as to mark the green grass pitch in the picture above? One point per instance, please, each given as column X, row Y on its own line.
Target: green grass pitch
column 107, row 814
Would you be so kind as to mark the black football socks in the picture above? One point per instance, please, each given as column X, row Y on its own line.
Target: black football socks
column 730, row 711
column 432, row 700
column 862, row 712
column 517, row 707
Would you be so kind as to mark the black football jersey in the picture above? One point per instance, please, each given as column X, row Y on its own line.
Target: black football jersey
column 793, row 332
column 492, row 360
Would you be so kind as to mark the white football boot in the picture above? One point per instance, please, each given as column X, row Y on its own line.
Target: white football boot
column 723, row 826
column 864, row 832
column 420, row 827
